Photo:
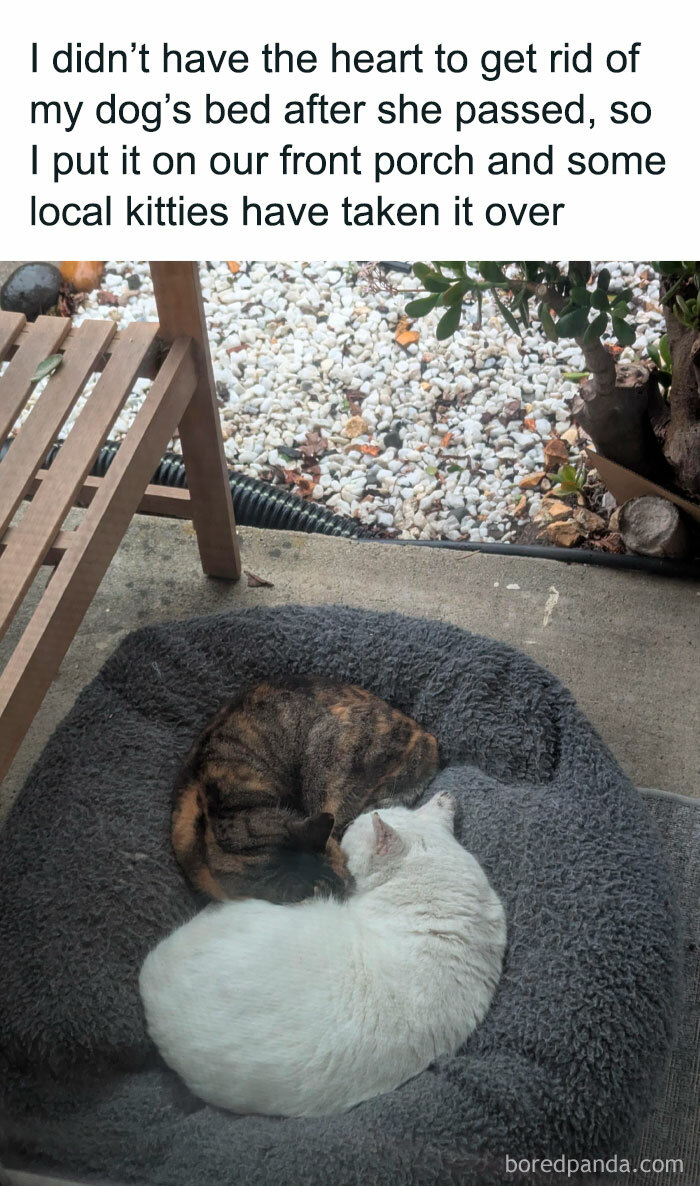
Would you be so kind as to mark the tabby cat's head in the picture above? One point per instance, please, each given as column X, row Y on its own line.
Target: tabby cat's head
column 306, row 865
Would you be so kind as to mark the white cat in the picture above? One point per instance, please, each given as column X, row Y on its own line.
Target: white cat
column 306, row 1010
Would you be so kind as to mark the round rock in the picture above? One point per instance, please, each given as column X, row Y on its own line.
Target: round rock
column 31, row 289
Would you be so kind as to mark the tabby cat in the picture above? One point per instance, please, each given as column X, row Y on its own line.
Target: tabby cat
column 273, row 781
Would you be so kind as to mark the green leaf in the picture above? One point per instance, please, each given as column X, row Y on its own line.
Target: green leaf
column 431, row 469
column 665, row 351
column 449, row 322
column 571, row 480
column 603, row 280
column 455, row 292
column 620, row 309
column 581, row 296
column 422, row 306
column 548, row 325
column 435, row 283
column 655, row 357
column 595, row 329
column 47, row 367
column 599, row 300
column 491, row 271
column 669, row 267
column 454, row 265
column 573, row 324
column 454, row 469
column 507, row 315
column 420, row 271
column 576, row 376
column 624, row 332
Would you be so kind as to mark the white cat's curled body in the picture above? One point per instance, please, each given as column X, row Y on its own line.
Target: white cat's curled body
column 307, row 1010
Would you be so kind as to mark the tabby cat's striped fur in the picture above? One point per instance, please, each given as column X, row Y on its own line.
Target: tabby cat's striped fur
column 272, row 782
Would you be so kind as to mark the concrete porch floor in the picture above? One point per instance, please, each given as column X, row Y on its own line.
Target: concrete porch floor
column 626, row 644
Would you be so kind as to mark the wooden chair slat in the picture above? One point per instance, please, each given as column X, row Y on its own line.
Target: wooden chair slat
column 23, row 556
column 11, row 326
column 61, row 543
column 157, row 500
column 46, row 639
column 147, row 370
column 43, row 424
column 44, row 339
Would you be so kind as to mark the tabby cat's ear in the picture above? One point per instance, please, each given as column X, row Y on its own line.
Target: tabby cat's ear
column 312, row 834
column 387, row 840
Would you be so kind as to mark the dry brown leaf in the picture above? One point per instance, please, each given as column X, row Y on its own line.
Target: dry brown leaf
column 313, row 446
column 521, row 507
column 257, row 582
column 570, row 436
column 446, row 441
column 305, row 487
column 403, row 334
column 233, row 267
column 529, row 423
column 372, row 450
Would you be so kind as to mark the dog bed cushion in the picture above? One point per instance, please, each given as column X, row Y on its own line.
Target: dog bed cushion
column 571, row 1052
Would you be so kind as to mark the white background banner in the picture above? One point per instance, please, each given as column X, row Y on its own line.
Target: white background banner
column 376, row 128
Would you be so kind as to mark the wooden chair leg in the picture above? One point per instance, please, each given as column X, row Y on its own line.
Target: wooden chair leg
column 181, row 312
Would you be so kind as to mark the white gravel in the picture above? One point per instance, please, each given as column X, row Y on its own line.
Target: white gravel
column 442, row 441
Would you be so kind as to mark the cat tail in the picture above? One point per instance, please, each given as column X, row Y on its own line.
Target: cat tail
column 188, row 839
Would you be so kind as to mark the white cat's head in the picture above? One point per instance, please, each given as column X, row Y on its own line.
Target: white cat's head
column 379, row 843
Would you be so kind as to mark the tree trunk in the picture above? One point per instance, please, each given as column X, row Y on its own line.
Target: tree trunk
column 682, row 444
column 617, row 409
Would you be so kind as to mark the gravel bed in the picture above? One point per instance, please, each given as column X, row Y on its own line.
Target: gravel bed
column 426, row 440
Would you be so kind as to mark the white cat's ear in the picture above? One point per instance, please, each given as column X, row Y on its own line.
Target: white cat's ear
column 387, row 840
column 443, row 804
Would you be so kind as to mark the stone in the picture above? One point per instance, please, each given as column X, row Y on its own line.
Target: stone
column 556, row 453
column 531, row 481
column 31, row 289
column 554, row 508
column 588, row 521
column 356, row 426
column 563, row 535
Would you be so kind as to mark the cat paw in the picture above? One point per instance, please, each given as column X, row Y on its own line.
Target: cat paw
column 446, row 800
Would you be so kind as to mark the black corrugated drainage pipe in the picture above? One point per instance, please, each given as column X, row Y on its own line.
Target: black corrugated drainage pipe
column 255, row 503
column 260, row 504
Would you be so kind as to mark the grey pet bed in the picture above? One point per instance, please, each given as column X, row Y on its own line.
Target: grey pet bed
column 573, row 1048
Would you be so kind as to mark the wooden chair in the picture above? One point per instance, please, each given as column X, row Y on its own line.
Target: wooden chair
column 175, row 354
